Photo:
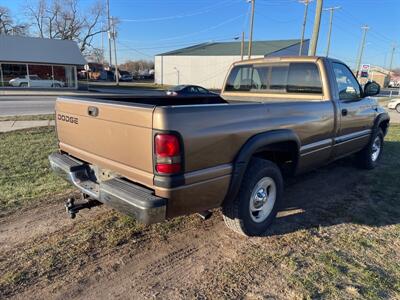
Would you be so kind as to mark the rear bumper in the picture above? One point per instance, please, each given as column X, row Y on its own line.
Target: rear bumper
column 124, row 196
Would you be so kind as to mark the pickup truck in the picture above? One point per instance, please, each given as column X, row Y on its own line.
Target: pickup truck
column 156, row 158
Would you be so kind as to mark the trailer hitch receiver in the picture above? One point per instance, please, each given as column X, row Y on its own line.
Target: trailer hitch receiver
column 73, row 208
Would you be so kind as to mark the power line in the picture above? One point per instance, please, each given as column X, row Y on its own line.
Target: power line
column 205, row 10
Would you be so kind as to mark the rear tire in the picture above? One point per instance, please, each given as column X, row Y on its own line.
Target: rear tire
column 368, row 158
column 258, row 200
column 398, row 108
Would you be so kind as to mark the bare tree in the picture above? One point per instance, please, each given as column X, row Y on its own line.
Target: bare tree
column 8, row 25
column 95, row 55
column 63, row 19
column 137, row 65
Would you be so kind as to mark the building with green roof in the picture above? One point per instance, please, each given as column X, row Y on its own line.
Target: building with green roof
column 206, row 64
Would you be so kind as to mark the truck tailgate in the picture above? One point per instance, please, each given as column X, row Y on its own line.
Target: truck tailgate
column 112, row 135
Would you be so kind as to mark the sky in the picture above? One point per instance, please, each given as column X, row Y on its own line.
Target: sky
column 149, row 27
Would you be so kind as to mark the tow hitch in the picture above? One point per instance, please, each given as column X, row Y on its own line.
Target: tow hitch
column 73, row 208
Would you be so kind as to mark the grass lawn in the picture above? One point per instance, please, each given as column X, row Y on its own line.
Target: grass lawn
column 24, row 169
column 28, row 118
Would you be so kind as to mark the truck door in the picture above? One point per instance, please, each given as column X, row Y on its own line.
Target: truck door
column 355, row 113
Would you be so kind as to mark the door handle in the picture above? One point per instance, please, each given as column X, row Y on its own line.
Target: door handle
column 93, row 111
column 344, row 112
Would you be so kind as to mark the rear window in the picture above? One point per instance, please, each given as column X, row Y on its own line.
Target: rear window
column 283, row 78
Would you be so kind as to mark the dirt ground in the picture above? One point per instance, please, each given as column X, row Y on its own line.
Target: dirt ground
column 310, row 252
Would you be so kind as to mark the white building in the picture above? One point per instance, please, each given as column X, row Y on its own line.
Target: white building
column 207, row 64
column 27, row 62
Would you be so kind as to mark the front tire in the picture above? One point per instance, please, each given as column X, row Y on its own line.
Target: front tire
column 258, row 200
column 368, row 158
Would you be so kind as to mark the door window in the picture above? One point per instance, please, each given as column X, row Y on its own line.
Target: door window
column 202, row 90
column 347, row 84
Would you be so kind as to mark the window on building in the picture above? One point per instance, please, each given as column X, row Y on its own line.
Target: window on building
column 14, row 75
column 40, row 76
column 70, row 79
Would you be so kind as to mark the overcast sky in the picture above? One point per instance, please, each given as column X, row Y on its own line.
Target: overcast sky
column 149, row 27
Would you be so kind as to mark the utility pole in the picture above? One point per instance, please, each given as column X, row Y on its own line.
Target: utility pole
column 306, row 3
column 361, row 50
column 114, row 35
column 331, row 10
column 242, row 47
column 391, row 60
column 251, row 27
column 109, row 32
column 102, row 44
column 317, row 23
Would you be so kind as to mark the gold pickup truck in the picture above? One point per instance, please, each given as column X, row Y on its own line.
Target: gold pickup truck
column 155, row 158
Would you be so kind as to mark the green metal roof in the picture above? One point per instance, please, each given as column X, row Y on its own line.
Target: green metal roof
column 232, row 48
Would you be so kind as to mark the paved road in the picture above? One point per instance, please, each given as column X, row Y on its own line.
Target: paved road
column 36, row 105
column 26, row 105
column 394, row 117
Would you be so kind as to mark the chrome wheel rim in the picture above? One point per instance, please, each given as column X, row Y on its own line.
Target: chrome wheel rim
column 262, row 199
column 376, row 148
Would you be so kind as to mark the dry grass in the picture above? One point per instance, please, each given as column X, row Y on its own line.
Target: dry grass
column 28, row 118
column 25, row 174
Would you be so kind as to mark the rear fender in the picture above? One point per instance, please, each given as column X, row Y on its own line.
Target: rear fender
column 256, row 144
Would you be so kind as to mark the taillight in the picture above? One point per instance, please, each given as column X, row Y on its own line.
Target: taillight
column 168, row 153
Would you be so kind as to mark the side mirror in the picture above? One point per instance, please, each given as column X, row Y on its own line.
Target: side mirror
column 371, row 89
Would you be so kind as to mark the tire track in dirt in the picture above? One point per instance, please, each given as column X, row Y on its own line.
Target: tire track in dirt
column 189, row 261
column 165, row 268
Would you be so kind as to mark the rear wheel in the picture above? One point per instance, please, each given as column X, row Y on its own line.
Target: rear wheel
column 23, row 84
column 368, row 157
column 258, row 200
column 398, row 108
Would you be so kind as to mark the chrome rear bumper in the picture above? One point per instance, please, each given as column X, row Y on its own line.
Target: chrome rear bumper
column 124, row 196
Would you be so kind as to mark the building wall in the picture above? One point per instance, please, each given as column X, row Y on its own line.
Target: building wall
column 207, row 71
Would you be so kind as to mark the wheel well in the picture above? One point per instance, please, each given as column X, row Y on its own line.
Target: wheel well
column 384, row 125
column 284, row 154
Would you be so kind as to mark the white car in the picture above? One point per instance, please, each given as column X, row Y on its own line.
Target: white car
column 394, row 104
column 35, row 81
